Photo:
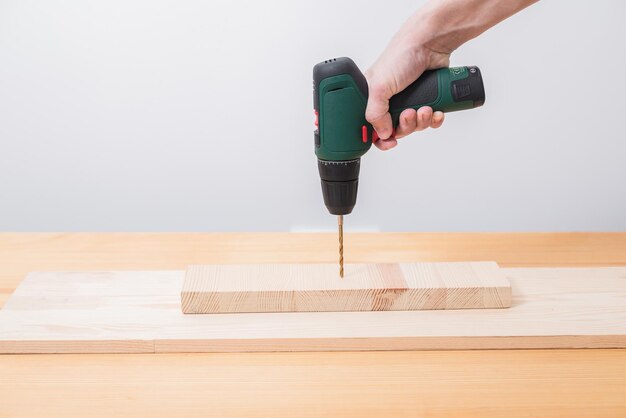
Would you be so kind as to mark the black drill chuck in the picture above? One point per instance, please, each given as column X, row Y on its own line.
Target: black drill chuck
column 340, row 183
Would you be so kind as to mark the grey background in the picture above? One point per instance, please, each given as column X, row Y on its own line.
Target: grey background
column 197, row 116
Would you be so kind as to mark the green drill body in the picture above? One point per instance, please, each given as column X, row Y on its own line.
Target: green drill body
column 343, row 135
column 342, row 105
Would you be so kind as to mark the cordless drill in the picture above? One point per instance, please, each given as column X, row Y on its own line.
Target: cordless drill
column 343, row 136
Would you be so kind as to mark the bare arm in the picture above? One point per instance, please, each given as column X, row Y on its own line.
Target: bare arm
column 426, row 41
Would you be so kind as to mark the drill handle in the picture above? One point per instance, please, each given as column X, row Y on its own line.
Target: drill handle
column 444, row 89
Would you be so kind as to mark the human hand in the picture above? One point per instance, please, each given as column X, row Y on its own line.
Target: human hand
column 402, row 62
column 425, row 42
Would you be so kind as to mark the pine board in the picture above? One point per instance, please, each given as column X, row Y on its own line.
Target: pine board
column 237, row 288
column 139, row 311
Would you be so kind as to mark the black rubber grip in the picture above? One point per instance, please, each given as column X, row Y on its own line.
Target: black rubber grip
column 333, row 67
column 423, row 90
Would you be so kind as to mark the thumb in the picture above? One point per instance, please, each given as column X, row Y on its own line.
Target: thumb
column 377, row 110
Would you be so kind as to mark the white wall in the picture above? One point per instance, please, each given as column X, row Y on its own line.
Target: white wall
column 194, row 115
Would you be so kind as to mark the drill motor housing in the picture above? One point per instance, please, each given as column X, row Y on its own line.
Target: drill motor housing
column 342, row 135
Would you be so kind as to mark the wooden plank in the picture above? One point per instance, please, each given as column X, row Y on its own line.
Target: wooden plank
column 238, row 288
column 538, row 383
column 140, row 312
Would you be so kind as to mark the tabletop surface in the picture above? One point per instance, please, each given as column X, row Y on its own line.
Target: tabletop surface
column 573, row 383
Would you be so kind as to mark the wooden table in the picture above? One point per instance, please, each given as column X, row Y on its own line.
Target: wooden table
column 538, row 383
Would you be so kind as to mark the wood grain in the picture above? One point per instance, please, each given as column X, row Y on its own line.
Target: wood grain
column 21, row 253
column 140, row 312
column 485, row 384
column 237, row 288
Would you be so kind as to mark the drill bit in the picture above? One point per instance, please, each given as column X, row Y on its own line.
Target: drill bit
column 340, row 223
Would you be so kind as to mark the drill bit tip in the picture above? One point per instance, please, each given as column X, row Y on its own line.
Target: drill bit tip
column 340, row 224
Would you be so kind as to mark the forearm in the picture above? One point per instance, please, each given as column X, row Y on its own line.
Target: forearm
column 444, row 25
